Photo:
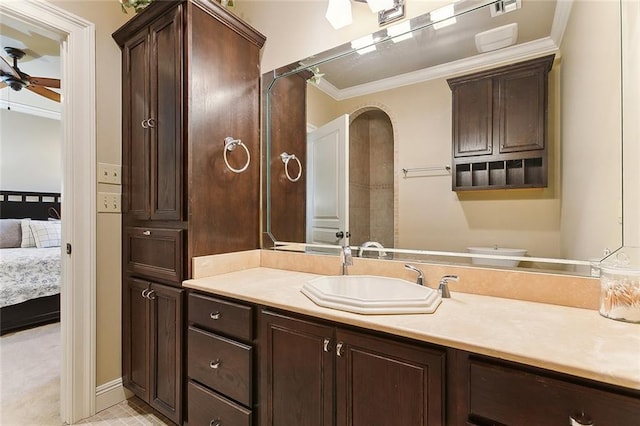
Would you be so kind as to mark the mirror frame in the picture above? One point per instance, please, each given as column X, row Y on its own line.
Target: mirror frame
column 630, row 130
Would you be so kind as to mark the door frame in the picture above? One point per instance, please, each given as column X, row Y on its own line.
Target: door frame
column 78, row 123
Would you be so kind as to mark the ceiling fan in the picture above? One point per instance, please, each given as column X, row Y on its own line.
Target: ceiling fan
column 17, row 80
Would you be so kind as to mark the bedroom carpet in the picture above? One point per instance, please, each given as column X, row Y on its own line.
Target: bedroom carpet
column 30, row 385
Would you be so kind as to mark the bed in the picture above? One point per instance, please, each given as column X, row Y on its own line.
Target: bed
column 29, row 268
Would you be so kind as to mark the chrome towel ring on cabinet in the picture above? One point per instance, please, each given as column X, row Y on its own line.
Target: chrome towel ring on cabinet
column 231, row 144
column 285, row 157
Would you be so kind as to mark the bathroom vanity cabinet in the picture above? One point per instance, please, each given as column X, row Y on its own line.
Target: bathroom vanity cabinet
column 190, row 79
column 499, row 127
column 305, row 363
column 299, row 369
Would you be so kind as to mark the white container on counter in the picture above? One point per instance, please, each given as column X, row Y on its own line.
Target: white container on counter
column 620, row 285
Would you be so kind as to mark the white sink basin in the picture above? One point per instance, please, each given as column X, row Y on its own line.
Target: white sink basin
column 499, row 251
column 364, row 294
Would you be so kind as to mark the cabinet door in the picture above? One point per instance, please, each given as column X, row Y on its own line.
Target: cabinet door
column 521, row 111
column 297, row 364
column 166, row 114
column 473, row 118
column 165, row 391
column 135, row 131
column 382, row 382
column 136, row 337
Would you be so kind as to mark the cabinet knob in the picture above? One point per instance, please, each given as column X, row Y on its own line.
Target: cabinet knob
column 151, row 123
column 215, row 364
column 215, row 422
column 215, row 315
column 580, row 419
column 326, row 345
column 145, row 292
column 339, row 350
column 147, row 233
column 151, row 295
column 144, row 124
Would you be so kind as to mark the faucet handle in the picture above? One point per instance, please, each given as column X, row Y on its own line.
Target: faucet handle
column 420, row 279
column 443, row 288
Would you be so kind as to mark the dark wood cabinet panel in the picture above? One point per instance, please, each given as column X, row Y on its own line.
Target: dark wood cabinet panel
column 221, row 364
column 166, row 350
column 380, row 381
column 135, row 337
column 152, row 344
column 506, row 395
column 135, row 138
column 209, row 408
column 473, row 131
column 165, row 100
column 221, row 316
column 499, row 127
column 297, row 371
column 521, row 121
column 154, row 253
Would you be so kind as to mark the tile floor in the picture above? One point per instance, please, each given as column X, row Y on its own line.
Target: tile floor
column 129, row 412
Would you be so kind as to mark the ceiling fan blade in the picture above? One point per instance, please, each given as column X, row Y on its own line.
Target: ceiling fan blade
column 2, row 85
column 43, row 91
column 6, row 69
column 46, row 82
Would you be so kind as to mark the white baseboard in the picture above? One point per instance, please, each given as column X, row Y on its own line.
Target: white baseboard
column 110, row 394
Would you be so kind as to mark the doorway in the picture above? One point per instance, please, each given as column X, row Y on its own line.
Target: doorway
column 77, row 46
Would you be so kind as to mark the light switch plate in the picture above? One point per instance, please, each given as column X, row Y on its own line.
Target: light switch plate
column 109, row 202
column 109, row 173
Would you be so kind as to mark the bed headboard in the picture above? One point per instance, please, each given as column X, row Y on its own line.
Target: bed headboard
column 34, row 205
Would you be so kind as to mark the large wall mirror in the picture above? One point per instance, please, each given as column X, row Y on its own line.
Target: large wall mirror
column 390, row 181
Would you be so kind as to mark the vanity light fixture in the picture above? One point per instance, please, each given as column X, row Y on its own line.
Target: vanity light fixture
column 442, row 17
column 364, row 44
column 400, row 32
column 339, row 11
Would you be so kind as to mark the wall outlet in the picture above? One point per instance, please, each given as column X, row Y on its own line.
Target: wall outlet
column 109, row 173
column 109, row 202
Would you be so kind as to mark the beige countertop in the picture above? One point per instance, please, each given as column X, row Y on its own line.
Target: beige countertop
column 575, row 341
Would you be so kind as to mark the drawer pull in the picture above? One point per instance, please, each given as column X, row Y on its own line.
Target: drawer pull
column 147, row 233
column 145, row 292
column 580, row 420
column 215, row 315
column 215, row 422
column 215, row 364
column 151, row 295
column 339, row 350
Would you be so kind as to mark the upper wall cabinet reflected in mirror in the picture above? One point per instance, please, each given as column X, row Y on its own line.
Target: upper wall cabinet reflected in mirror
column 376, row 164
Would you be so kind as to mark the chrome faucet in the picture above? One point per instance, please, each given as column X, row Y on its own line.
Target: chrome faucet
column 375, row 244
column 420, row 279
column 443, row 288
column 347, row 259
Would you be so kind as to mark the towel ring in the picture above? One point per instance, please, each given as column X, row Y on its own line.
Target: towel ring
column 229, row 145
column 285, row 159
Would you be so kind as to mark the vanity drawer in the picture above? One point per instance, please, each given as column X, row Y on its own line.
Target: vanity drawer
column 222, row 316
column 510, row 396
column 221, row 364
column 154, row 253
column 207, row 408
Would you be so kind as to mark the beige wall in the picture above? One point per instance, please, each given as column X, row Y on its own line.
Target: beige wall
column 107, row 17
column 591, row 130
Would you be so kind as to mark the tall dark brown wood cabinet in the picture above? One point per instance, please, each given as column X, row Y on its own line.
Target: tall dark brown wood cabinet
column 190, row 79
